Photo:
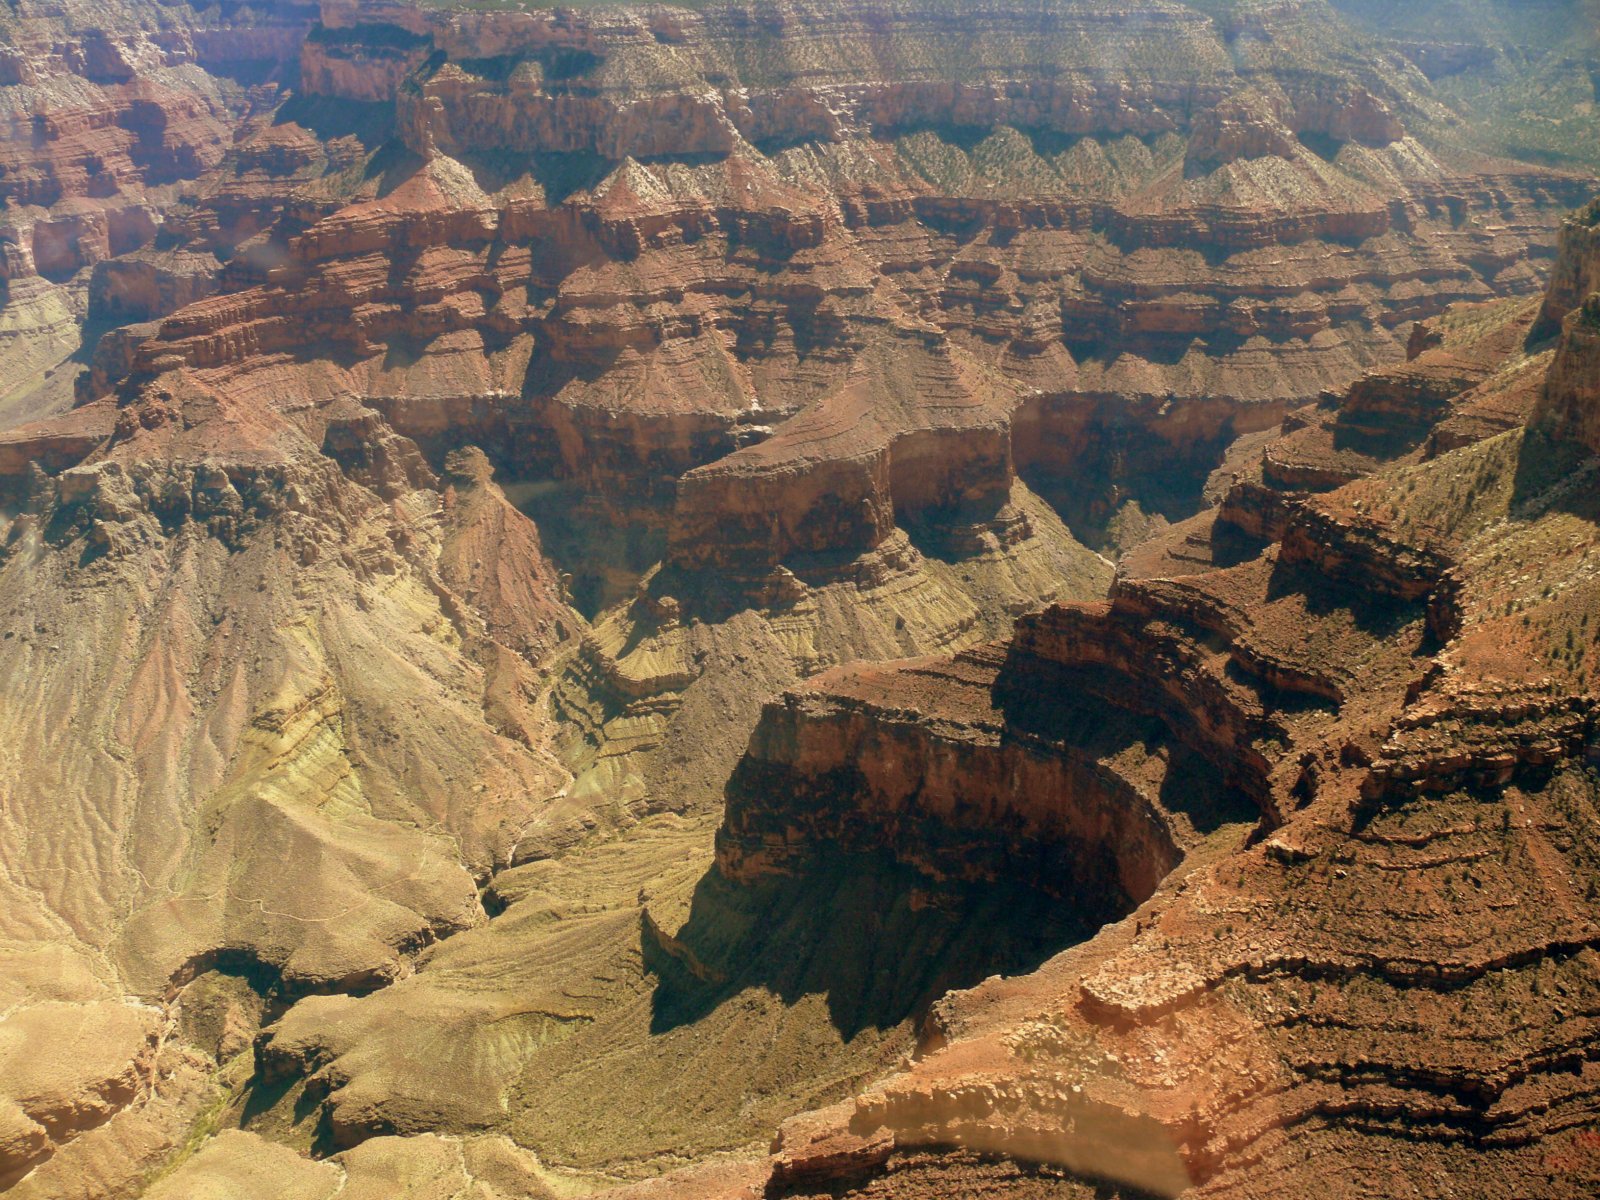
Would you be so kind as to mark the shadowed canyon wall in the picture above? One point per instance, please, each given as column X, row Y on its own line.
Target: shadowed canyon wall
column 558, row 608
column 1359, row 646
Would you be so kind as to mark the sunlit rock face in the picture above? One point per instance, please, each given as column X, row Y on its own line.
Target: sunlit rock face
column 1002, row 591
column 1382, row 638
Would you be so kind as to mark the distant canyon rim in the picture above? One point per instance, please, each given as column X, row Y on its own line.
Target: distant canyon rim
column 853, row 598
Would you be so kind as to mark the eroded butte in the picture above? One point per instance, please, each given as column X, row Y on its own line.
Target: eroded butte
column 881, row 599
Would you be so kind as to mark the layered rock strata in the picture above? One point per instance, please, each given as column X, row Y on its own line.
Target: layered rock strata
column 106, row 114
column 502, row 407
column 1403, row 682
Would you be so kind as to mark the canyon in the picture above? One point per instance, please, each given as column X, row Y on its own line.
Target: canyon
column 1369, row 660
column 797, row 599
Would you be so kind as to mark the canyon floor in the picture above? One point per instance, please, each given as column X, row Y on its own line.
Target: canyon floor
column 872, row 599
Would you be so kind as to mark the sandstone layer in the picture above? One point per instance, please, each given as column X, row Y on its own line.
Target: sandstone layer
column 437, row 440
column 107, row 113
column 1386, row 976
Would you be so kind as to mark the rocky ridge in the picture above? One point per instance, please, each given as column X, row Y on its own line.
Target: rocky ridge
column 1414, row 714
column 486, row 429
column 109, row 113
column 770, row 289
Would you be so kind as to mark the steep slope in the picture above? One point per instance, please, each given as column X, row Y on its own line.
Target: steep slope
column 1390, row 981
column 107, row 111
column 670, row 315
column 236, row 658
column 491, row 412
column 1529, row 68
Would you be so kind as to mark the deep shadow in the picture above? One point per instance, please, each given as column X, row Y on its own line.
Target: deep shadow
column 1116, row 457
column 1399, row 438
column 560, row 175
column 879, row 939
column 964, row 137
column 603, row 554
column 1543, row 466
column 1528, row 777
column 370, row 122
column 1090, row 497
column 1231, row 545
column 1375, row 614
column 392, row 166
column 1324, row 146
column 558, row 64
column 1064, row 707
column 1196, row 788
column 955, row 1170
column 261, row 1098
column 773, row 146
column 1048, row 143
column 94, row 328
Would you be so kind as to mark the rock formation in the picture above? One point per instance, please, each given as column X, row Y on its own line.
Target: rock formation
column 1388, row 964
column 557, row 602
column 109, row 112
